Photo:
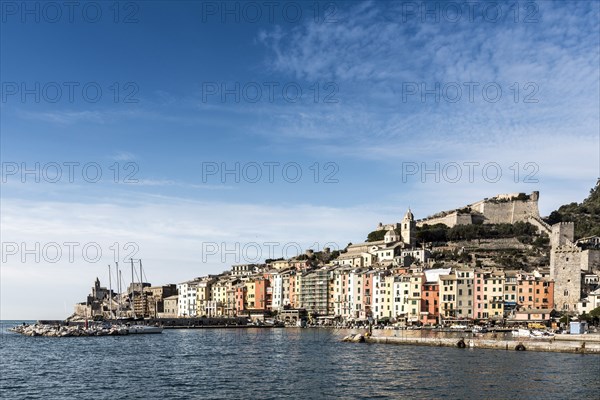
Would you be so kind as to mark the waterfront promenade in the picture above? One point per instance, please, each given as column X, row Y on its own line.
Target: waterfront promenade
column 580, row 344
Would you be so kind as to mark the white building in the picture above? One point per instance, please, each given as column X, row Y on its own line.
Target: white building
column 355, row 259
column 277, row 291
column 186, row 301
column 420, row 255
column 589, row 303
column 243, row 269
column 389, row 252
column 378, row 298
column 401, row 293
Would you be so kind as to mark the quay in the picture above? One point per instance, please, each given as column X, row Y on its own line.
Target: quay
column 579, row 344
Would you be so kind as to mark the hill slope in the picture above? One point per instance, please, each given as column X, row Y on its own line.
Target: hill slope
column 586, row 215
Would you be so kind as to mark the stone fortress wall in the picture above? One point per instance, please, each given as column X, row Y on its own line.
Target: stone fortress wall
column 503, row 208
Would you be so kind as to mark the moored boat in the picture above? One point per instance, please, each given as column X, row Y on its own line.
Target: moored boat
column 143, row 329
column 533, row 334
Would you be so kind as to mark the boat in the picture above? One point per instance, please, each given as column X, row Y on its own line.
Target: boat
column 533, row 334
column 537, row 334
column 458, row 327
column 130, row 329
column 521, row 333
column 479, row 329
column 143, row 329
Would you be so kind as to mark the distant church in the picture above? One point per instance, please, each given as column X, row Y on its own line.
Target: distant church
column 407, row 229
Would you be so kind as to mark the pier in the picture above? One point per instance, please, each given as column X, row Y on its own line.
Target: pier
column 580, row 344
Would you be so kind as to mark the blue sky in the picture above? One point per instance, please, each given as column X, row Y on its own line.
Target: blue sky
column 376, row 66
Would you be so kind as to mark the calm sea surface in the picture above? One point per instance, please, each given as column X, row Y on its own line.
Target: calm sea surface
column 279, row 363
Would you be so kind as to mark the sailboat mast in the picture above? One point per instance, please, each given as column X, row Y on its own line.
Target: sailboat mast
column 118, row 288
column 141, row 281
column 141, row 286
column 132, row 290
column 109, row 293
column 119, row 279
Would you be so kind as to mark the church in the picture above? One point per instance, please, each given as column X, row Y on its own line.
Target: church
column 397, row 247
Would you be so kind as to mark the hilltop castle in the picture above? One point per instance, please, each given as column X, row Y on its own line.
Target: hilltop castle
column 570, row 260
column 503, row 208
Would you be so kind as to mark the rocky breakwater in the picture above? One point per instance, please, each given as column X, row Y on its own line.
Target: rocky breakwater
column 68, row 331
column 357, row 338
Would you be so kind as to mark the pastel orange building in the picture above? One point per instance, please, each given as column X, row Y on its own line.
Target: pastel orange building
column 535, row 293
column 430, row 297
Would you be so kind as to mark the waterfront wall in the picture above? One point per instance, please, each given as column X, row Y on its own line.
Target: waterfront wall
column 579, row 345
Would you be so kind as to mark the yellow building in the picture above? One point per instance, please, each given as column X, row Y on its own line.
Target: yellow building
column 493, row 295
column 388, row 303
column 448, row 296
column 203, row 296
column 216, row 306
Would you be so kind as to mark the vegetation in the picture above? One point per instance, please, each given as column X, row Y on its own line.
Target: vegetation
column 437, row 233
column 375, row 236
column 522, row 197
column 594, row 316
column 454, row 255
column 270, row 260
column 585, row 215
column 519, row 197
column 324, row 257
column 441, row 233
column 379, row 235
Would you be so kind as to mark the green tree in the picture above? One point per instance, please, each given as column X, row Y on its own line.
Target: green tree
column 376, row 236
column 586, row 215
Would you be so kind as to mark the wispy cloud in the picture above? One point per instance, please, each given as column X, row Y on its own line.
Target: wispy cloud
column 371, row 53
column 123, row 156
column 173, row 183
column 169, row 233
column 65, row 117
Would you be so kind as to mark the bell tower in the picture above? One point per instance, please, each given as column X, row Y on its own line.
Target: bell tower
column 408, row 229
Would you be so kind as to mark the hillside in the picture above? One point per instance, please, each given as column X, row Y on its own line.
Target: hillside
column 586, row 215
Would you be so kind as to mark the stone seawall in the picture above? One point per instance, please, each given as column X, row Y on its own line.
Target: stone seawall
column 578, row 346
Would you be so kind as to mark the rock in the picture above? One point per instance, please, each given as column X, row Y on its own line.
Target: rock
column 358, row 338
